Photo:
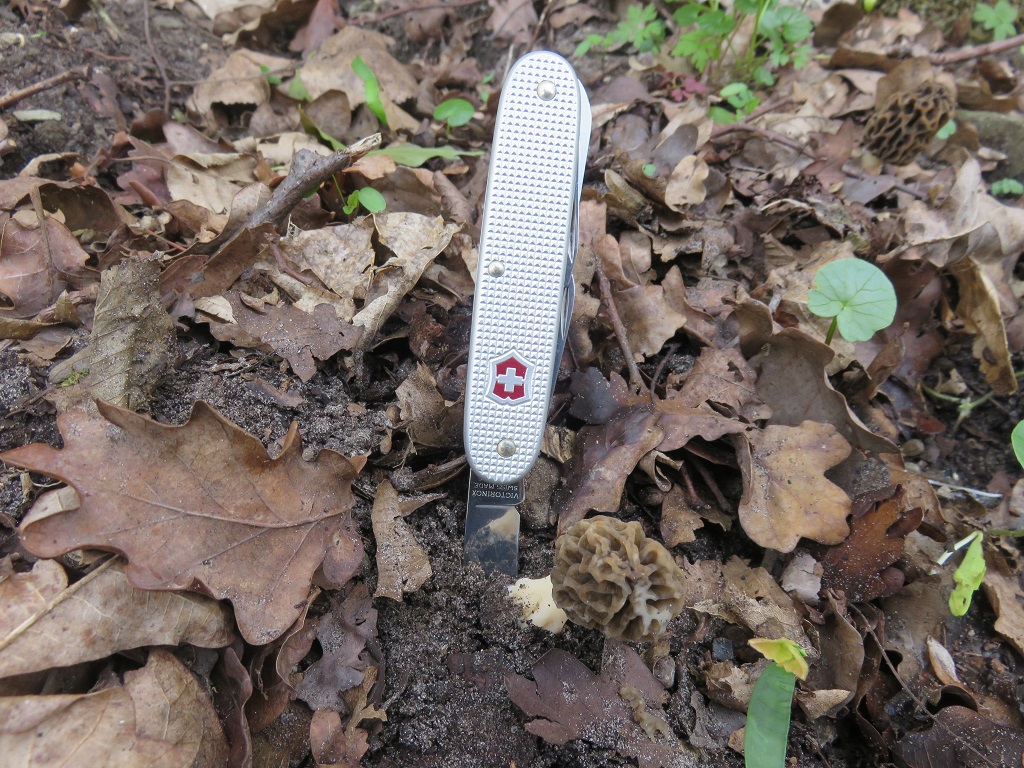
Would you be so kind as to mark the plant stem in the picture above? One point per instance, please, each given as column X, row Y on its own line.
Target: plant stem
column 832, row 330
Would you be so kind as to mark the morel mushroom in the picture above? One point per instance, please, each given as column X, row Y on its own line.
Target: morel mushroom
column 907, row 122
column 608, row 575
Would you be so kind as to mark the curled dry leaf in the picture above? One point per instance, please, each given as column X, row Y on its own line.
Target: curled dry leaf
column 241, row 80
column 963, row 738
column 427, row 418
column 210, row 181
column 1004, row 586
column 44, row 623
column 200, row 506
column 979, row 309
column 785, row 492
column 131, row 335
column 37, row 262
column 415, row 240
column 160, row 717
column 330, row 68
column 649, row 318
column 402, row 564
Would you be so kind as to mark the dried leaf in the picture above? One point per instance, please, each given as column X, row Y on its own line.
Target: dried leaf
column 341, row 256
column 344, row 634
column 416, row 241
column 241, row 80
column 649, row 318
column 197, row 506
column 402, row 564
column 160, row 717
column 860, row 566
column 131, row 335
column 679, row 520
column 686, row 184
column 979, row 309
column 330, row 68
column 427, row 418
column 37, row 263
column 785, row 492
column 963, row 738
column 1004, row 586
column 609, row 710
column 44, row 623
column 210, row 180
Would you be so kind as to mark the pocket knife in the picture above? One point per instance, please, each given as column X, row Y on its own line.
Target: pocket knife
column 524, row 293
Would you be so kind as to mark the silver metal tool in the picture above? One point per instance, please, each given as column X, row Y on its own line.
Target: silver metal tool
column 524, row 293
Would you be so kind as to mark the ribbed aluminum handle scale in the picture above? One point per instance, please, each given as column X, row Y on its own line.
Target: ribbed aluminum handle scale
column 527, row 229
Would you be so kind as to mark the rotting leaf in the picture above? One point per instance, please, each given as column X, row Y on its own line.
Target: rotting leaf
column 44, row 623
column 963, row 738
column 427, row 418
column 197, row 506
column 1004, row 586
column 402, row 564
column 299, row 337
column 346, row 634
column 131, row 335
column 861, row 565
column 785, row 492
column 568, row 702
column 979, row 309
column 160, row 717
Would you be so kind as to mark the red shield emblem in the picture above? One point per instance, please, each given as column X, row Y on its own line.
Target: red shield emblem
column 510, row 379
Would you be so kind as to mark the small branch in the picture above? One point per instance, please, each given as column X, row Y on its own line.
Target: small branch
column 636, row 382
column 966, row 54
column 412, row 9
column 156, row 57
column 309, row 170
column 77, row 73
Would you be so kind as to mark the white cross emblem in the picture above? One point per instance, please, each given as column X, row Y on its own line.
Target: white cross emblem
column 509, row 380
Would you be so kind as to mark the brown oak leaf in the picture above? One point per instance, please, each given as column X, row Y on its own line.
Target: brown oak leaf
column 860, row 566
column 201, row 506
column 785, row 492
column 620, row 708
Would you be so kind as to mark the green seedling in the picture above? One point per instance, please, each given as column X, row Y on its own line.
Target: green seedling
column 454, row 112
column 413, row 156
column 946, row 131
column 771, row 703
column 999, row 19
column 74, row 378
column 371, row 88
column 368, row 197
column 1007, row 188
column 869, row 5
column 857, row 296
column 964, row 405
column 270, row 76
column 297, row 89
column 969, row 575
column 642, row 29
column 1017, row 441
column 740, row 98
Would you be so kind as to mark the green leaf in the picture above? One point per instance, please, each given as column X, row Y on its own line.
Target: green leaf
column 717, row 22
column 947, row 130
column 1017, row 441
column 721, row 115
column 372, row 89
column 968, row 576
column 455, row 112
column 687, row 15
column 372, row 200
column 650, row 171
column 869, row 5
column 414, row 156
column 1007, row 188
column 998, row 19
column 312, row 128
column 297, row 89
column 857, row 294
column 787, row 654
column 767, row 731
column 588, row 42
column 351, row 204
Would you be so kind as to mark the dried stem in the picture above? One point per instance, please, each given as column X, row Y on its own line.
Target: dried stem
column 159, row 62
column 966, row 54
column 76, row 73
column 636, row 381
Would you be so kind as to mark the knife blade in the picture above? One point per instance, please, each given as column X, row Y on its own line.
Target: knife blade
column 524, row 293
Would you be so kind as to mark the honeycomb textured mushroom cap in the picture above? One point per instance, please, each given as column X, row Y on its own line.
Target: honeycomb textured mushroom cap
column 908, row 121
column 608, row 575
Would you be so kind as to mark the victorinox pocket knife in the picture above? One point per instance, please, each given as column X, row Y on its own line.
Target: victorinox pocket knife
column 524, row 293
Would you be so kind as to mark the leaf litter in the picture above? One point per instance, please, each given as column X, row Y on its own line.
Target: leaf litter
column 203, row 266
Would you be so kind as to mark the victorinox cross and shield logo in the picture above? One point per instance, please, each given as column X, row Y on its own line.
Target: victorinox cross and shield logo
column 511, row 379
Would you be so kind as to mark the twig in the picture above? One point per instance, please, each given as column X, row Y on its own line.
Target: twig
column 976, row 52
column 76, row 73
column 636, row 382
column 411, row 9
column 661, row 367
column 156, row 57
column 764, row 109
column 709, row 481
column 688, row 482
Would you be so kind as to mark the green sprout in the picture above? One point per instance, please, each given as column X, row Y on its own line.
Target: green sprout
column 642, row 28
column 74, row 378
column 740, row 98
column 270, row 76
column 368, row 197
column 857, row 296
column 771, row 703
column 946, row 131
column 372, row 89
column 454, row 112
column 1007, row 188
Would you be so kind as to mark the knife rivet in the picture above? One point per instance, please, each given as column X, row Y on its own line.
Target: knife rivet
column 496, row 269
column 546, row 90
column 506, row 448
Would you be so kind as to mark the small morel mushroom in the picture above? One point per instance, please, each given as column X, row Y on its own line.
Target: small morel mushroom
column 907, row 122
column 608, row 575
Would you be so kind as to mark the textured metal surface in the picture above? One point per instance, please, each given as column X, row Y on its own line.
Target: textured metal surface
column 528, row 227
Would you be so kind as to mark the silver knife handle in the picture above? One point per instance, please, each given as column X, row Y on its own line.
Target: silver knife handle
column 528, row 231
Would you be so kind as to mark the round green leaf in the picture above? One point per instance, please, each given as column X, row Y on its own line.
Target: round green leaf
column 372, row 200
column 455, row 112
column 1017, row 441
column 857, row 294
